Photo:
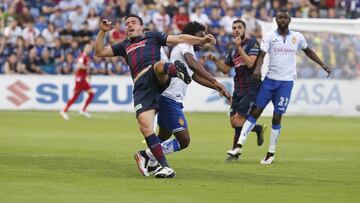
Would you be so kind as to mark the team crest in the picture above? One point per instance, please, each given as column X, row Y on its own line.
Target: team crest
column 181, row 121
column 293, row 40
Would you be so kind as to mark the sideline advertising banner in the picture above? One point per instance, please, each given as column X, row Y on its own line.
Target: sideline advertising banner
column 114, row 93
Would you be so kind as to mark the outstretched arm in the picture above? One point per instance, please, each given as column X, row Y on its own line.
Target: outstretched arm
column 206, row 83
column 314, row 57
column 100, row 50
column 220, row 65
column 189, row 39
column 198, row 68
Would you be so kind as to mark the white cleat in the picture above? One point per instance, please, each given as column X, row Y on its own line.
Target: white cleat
column 153, row 166
column 85, row 114
column 269, row 159
column 64, row 115
column 165, row 172
column 233, row 154
column 141, row 163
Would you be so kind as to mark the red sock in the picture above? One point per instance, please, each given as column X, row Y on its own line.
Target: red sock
column 71, row 101
column 88, row 101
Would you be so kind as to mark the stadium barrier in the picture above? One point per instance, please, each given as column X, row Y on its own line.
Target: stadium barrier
column 114, row 93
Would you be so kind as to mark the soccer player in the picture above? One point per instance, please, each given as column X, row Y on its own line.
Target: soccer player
column 281, row 45
column 150, row 75
column 81, row 83
column 242, row 56
column 171, row 118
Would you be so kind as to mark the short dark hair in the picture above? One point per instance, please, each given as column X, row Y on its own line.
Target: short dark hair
column 282, row 10
column 240, row 21
column 135, row 16
column 193, row 27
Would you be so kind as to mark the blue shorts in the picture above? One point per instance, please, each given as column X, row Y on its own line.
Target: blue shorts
column 170, row 115
column 278, row 92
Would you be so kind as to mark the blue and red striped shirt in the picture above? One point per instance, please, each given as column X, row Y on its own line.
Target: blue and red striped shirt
column 243, row 80
column 141, row 51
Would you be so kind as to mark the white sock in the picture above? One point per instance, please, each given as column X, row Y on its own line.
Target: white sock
column 274, row 137
column 169, row 146
column 246, row 129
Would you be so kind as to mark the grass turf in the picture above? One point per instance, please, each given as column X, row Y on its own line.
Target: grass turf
column 46, row 159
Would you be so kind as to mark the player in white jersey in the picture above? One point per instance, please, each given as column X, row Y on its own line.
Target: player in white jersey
column 171, row 119
column 282, row 46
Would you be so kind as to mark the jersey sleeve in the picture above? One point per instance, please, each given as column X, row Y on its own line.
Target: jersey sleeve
column 118, row 50
column 302, row 42
column 160, row 37
column 265, row 43
column 254, row 48
column 228, row 59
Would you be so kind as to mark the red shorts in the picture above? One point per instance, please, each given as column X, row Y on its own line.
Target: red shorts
column 82, row 85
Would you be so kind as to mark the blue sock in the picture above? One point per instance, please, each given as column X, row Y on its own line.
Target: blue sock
column 154, row 145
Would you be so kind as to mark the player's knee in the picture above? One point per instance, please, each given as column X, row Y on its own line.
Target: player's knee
column 256, row 112
column 146, row 129
column 184, row 142
column 276, row 120
column 158, row 67
column 237, row 121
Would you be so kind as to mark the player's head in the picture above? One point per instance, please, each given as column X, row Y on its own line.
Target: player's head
column 133, row 26
column 283, row 19
column 238, row 28
column 196, row 29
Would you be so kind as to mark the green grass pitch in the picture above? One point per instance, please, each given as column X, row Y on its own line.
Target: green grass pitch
column 46, row 159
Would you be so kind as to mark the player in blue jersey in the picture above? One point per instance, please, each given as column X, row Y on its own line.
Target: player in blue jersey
column 171, row 118
column 242, row 57
column 150, row 75
column 281, row 45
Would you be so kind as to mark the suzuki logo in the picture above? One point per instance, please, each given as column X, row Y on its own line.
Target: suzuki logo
column 18, row 89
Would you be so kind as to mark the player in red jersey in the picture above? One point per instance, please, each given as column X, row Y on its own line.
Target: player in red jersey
column 81, row 83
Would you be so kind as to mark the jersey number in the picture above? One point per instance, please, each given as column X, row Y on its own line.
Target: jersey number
column 283, row 101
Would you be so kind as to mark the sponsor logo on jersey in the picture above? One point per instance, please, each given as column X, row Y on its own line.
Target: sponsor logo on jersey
column 293, row 40
column 134, row 46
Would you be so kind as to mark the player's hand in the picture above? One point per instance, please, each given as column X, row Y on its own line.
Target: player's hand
column 257, row 74
column 106, row 25
column 223, row 93
column 210, row 57
column 237, row 41
column 327, row 69
column 209, row 38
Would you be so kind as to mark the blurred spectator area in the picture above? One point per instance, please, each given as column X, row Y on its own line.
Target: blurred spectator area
column 46, row 36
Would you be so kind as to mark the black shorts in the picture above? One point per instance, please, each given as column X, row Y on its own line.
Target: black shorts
column 243, row 101
column 147, row 91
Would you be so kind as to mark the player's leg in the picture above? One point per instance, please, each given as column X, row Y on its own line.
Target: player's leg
column 76, row 94
column 164, row 70
column 263, row 98
column 87, row 102
column 280, row 102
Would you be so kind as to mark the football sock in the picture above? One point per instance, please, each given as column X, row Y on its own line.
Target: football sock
column 171, row 145
column 236, row 137
column 168, row 146
column 170, row 69
column 71, row 101
column 88, row 101
column 274, row 136
column 247, row 127
column 154, row 145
